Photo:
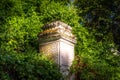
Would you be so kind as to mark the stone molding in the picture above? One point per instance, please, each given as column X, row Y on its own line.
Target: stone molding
column 56, row 30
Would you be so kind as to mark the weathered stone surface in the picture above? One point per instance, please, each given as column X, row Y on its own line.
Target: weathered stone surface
column 58, row 41
column 66, row 55
column 56, row 30
column 50, row 49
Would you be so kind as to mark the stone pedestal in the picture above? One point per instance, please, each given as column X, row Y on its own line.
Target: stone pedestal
column 57, row 41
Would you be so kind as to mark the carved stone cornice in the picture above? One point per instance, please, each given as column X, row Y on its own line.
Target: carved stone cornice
column 56, row 30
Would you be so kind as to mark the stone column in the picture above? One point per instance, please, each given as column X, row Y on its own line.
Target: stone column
column 57, row 41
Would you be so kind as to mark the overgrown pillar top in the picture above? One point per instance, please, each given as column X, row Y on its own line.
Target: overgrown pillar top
column 56, row 30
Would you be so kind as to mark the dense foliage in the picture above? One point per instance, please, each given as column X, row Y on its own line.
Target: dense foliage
column 27, row 67
column 97, row 49
column 102, row 16
column 95, row 60
column 20, row 28
column 20, row 22
column 95, row 24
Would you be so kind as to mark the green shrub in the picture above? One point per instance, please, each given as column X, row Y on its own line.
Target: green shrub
column 94, row 59
column 27, row 67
